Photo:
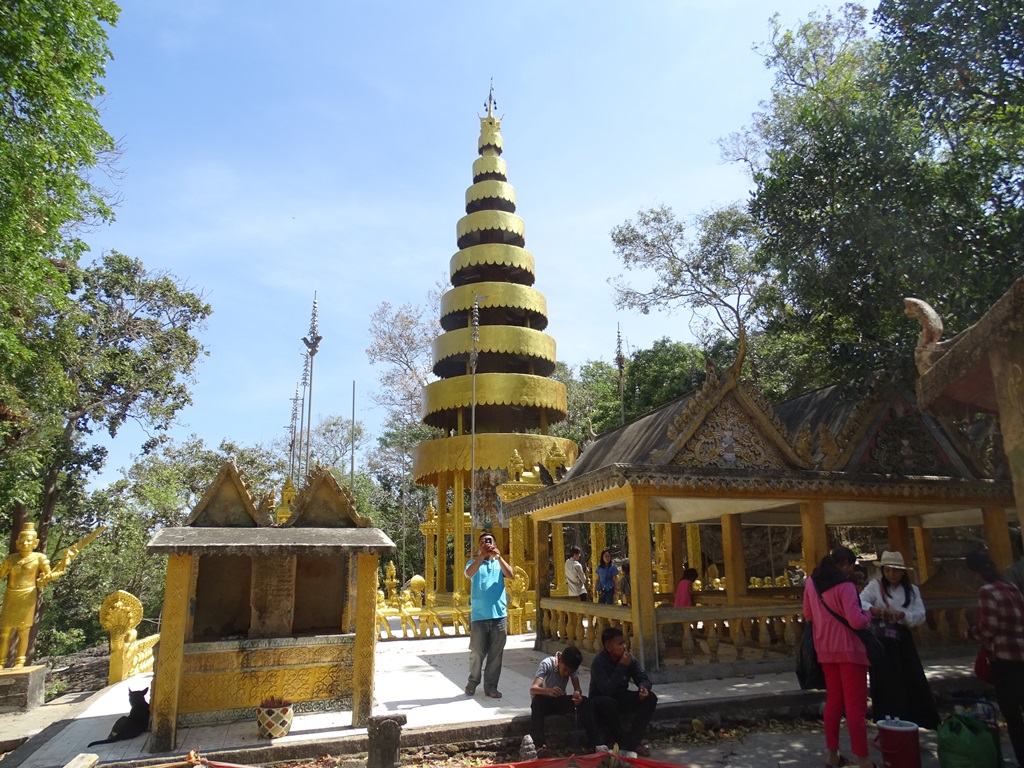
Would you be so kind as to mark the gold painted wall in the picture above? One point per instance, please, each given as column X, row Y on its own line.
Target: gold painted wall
column 232, row 675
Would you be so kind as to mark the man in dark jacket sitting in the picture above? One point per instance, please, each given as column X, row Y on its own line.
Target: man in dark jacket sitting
column 611, row 697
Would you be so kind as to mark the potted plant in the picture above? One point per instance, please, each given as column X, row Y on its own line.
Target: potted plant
column 274, row 718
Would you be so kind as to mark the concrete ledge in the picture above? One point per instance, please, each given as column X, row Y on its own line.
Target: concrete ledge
column 21, row 689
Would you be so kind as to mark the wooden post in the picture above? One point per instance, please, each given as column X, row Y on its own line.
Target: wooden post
column 541, row 577
column 676, row 551
column 735, row 568
column 179, row 591
column 997, row 536
column 1006, row 361
column 558, row 556
column 694, row 555
column 641, row 558
column 812, row 525
column 925, row 554
column 899, row 537
column 365, row 640
column 598, row 542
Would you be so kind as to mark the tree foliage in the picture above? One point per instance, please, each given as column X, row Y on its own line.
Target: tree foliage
column 53, row 54
column 883, row 167
column 401, row 345
column 861, row 202
column 715, row 271
column 123, row 349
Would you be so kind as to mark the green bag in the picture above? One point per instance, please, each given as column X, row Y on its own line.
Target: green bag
column 964, row 742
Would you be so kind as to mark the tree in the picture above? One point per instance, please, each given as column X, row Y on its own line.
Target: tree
column 655, row 376
column 859, row 202
column 53, row 54
column 592, row 398
column 334, row 438
column 961, row 62
column 163, row 486
column 122, row 349
column 401, row 343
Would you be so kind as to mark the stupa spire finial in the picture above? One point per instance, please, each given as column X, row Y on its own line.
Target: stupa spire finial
column 491, row 104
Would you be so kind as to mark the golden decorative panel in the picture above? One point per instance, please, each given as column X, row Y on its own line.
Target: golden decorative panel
column 500, row 190
column 450, row 454
column 730, row 438
column 520, row 389
column 492, row 253
column 490, row 164
column 484, row 220
column 501, row 339
column 493, row 294
column 240, row 677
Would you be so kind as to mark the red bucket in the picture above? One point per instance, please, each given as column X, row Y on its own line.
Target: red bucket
column 899, row 744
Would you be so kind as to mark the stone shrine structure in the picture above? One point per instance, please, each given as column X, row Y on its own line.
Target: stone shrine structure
column 255, row 611
column 493, row 322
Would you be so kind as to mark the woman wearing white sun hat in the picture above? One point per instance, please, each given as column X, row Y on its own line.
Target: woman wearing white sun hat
column 899, row 687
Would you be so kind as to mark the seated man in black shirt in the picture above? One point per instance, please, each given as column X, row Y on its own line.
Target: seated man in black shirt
column 610, row 696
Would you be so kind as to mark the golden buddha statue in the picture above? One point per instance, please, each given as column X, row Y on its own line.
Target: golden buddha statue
column 28, row 571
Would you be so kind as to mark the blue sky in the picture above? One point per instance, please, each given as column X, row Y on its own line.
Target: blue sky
column 276, row 149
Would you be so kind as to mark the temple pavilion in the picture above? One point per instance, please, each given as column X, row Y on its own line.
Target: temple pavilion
column 722, row 456
column 494, row 400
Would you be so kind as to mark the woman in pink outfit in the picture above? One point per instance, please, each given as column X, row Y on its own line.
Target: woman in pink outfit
column 841, row 652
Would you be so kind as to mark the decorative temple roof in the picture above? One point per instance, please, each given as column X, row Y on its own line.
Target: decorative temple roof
column 492, row 276
column 724, row 441
column 324, row 521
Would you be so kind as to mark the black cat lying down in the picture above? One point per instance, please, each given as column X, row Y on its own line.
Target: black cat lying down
column 131, row 725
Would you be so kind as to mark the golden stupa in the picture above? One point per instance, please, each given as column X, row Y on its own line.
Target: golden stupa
column 499, row 414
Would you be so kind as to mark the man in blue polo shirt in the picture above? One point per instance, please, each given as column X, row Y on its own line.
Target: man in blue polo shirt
column 488, row 620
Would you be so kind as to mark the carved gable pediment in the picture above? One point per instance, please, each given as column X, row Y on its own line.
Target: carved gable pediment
column 324, row 503
column 227, row 503
column 729, row 437
column 902, row 441
column 728, row 425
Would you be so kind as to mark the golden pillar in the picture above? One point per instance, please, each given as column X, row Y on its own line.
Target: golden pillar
column 517, row 544
column 641, row 559
column 694, row 555
column 598, row 542
column 925, row 554
column 676, row 551
column 175, row 629
column 815, row 535
column 735, row 568
column 459, row 581
column 997, row 537
column 558, row 558
column 351, row 606
column 430, row 555
column 662, row 564
column 443, row 518
column 899, row 536
column 365, row 641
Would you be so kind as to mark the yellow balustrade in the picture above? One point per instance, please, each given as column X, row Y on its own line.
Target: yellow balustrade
column 754, row 632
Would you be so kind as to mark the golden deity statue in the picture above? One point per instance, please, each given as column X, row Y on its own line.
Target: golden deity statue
column 28, row 571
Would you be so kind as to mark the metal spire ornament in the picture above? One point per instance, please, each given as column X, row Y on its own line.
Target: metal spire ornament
column 292, row 428
column 312, row 342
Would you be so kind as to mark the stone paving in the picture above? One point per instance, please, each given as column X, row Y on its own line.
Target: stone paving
column 424, row 679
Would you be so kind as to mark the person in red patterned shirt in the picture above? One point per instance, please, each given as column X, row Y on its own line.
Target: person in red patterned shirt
column 1001, row 628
